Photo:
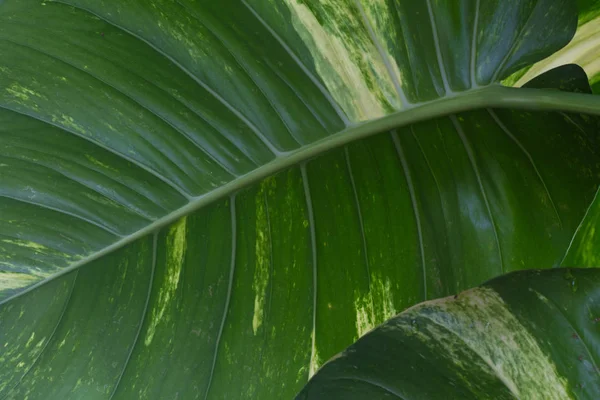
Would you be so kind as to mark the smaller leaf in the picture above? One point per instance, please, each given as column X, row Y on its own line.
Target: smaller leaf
column 568, row 78
column 527, row 335
column 582, row 50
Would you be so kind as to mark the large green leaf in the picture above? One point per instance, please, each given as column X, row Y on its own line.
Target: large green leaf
column 526, row 335
column 135, row 266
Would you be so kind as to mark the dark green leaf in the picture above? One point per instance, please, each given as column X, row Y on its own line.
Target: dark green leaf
column 569, row 78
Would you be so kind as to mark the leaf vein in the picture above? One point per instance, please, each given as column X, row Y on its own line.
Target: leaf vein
column 473, row 163
column 104, row 147
column 140, row 104
column 143, row 315
column 300, row 64
column 79, row 217
column 233, row 214
column 413, row 200
column 313, row 244
column 529, row 157
column 220, row 99
column 60, row 318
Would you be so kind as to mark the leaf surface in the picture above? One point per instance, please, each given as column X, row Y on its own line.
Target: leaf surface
column 188, row 212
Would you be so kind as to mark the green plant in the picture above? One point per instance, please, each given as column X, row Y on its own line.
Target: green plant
column 210, row 199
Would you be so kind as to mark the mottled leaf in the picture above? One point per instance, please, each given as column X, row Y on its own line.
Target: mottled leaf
column 525, row 335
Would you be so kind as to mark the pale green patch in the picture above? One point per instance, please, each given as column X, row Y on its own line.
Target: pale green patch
column 301, row 375
column 110, row 126
column 262, row 253
column 12, row 280
column 378, row 13
column 69, row 123
column 36, row 247
column 178, row 32
column 176, row 247
column 315, row 362
column 584, row 248
column 228, row 70
column 23, row 96
column 21, row 92
column 375, row 307
column 78, row 384
column 19, row 95
column 99, row 163
column 588, row 252
column 31, row 339
column 348, row 64
column 480, row 320
column 540, row 296
column 453, row 347
column 102, row 199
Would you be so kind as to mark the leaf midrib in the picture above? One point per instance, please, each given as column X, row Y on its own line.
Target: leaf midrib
column 494, row 96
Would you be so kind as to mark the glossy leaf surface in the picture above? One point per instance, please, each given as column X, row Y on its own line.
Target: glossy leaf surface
column 203, row 216
column 529, row 334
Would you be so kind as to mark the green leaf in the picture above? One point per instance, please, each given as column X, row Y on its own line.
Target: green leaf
column 527, row 335
column 208, row 199
column 582, row 50
column 588, row 10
